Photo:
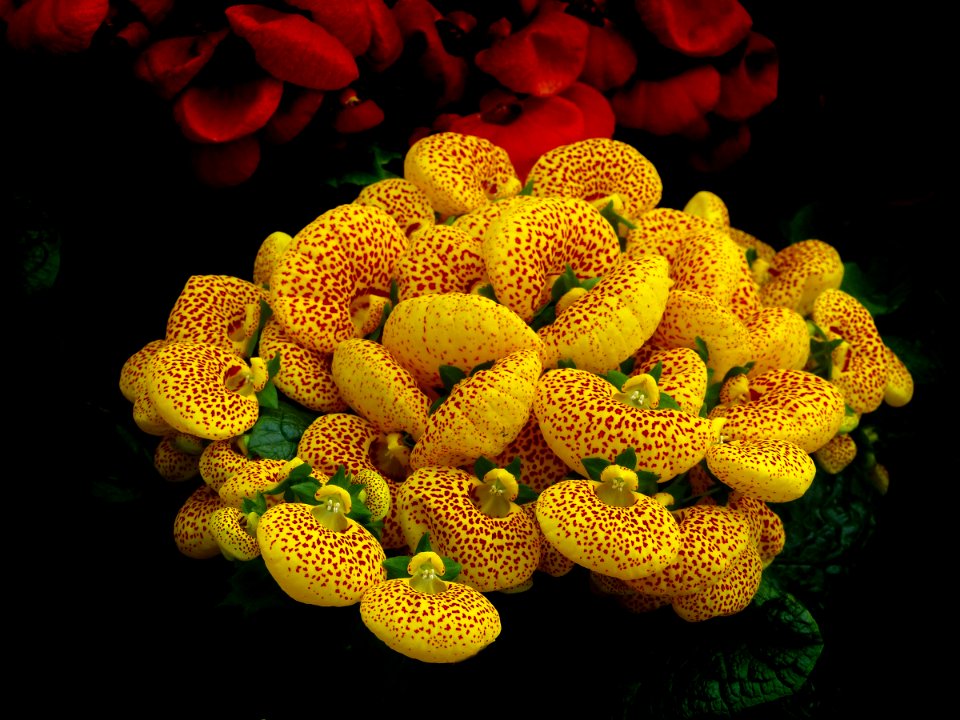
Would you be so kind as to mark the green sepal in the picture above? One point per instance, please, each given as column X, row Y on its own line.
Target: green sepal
column 397, row 565
column 513, row 467
column 656, row 371
column 564, row 283
column 482, row 466
column 751, row 254
column 394, row 292
column 567, row 363
column 377, row 332
column 527, row 188
column 668, row 403
column 450, row 375
column 627, row 366
column 487, row 292
column 648, row 482
column 544, row 316
column 615, row 219
column 268, row 397
column 525, row 494
column 702, row 350
column 615, row 378
column 595, row 466
column 627, row 459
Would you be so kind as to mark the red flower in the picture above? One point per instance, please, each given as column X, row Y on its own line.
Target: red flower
column 752, row 84
column 543, row 58
column 297, row 108
column 218, row 115
column 227, row 164
column 170, row 64
column 698, row 28
column 443, row 70
column 611, row 60
column 292, row 48
column 59, row 26
column 677, row 105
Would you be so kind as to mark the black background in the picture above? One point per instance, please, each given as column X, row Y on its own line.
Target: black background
column 108, row 607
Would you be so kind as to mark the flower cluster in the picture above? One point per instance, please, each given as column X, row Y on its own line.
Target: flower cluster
column 506, row 379
column 528, row 75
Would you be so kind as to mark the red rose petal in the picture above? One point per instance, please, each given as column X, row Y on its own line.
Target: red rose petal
column 448, row 72
column 223, row 114
column 170, row 64
column 611, row 59
column 59, row 26
column 677, row 105
column 527, row 130
column 227, row 164
column 358, row 117
column 698, row 28
column 298, row 106
column 543, row 58
column 598, row 117
column 292, row 48
column 752, row 84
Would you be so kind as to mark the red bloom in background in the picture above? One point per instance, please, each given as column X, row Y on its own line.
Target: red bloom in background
column 528, row 75
column 543, row 58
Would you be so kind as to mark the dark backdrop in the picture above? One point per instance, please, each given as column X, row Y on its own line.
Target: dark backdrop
column 859, row 130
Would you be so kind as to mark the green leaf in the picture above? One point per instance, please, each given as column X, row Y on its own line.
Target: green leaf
column 764, row 654
column 668, row 403
column 450, row 375
column 615, row 378
column 802, row 226
column 627, row 459
column 253, row 589
column 595, row 466
column 379, row 171
column 865, row 288
column 482, row 466
column 487, row 292
column 397, row 566
column 277, row 432
column 825, row 528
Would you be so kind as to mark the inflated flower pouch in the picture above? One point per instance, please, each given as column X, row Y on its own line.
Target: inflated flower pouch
column 458, row 384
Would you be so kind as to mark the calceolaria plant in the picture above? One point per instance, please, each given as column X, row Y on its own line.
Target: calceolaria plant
column 458, row 384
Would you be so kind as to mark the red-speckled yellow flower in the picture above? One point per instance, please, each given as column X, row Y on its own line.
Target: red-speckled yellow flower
column 583, row 415
column 899, row 388
column 177, row 457
column 483, row 413
column 204, row 390
column 612, row 320
column 344, row 255
column 683, row 375
column 191, row 526
column 377, row 387
column 458, row 329
column 404, row 202
column 859, row 366
column 729, row 595
column 599, row 170
column 218, row 310
column 460, row 173
column 798, row 273
column 230, row 528
column 267, row 257
column 533, row 240
column 440, row 259
column 318, row 555
column 711, row 536
column 690, row 316
column 840, row 451
column 472, row 521
column 770, row 469
column 428, row 619
column 607, row 526
column 304, row 375
column 792, row 405
column 779, row 340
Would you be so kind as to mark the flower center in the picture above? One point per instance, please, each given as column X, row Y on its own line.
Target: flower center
column 333, row 508
column 426, row 570
column 617, row 486
column 495, row 493
column 640, row 391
